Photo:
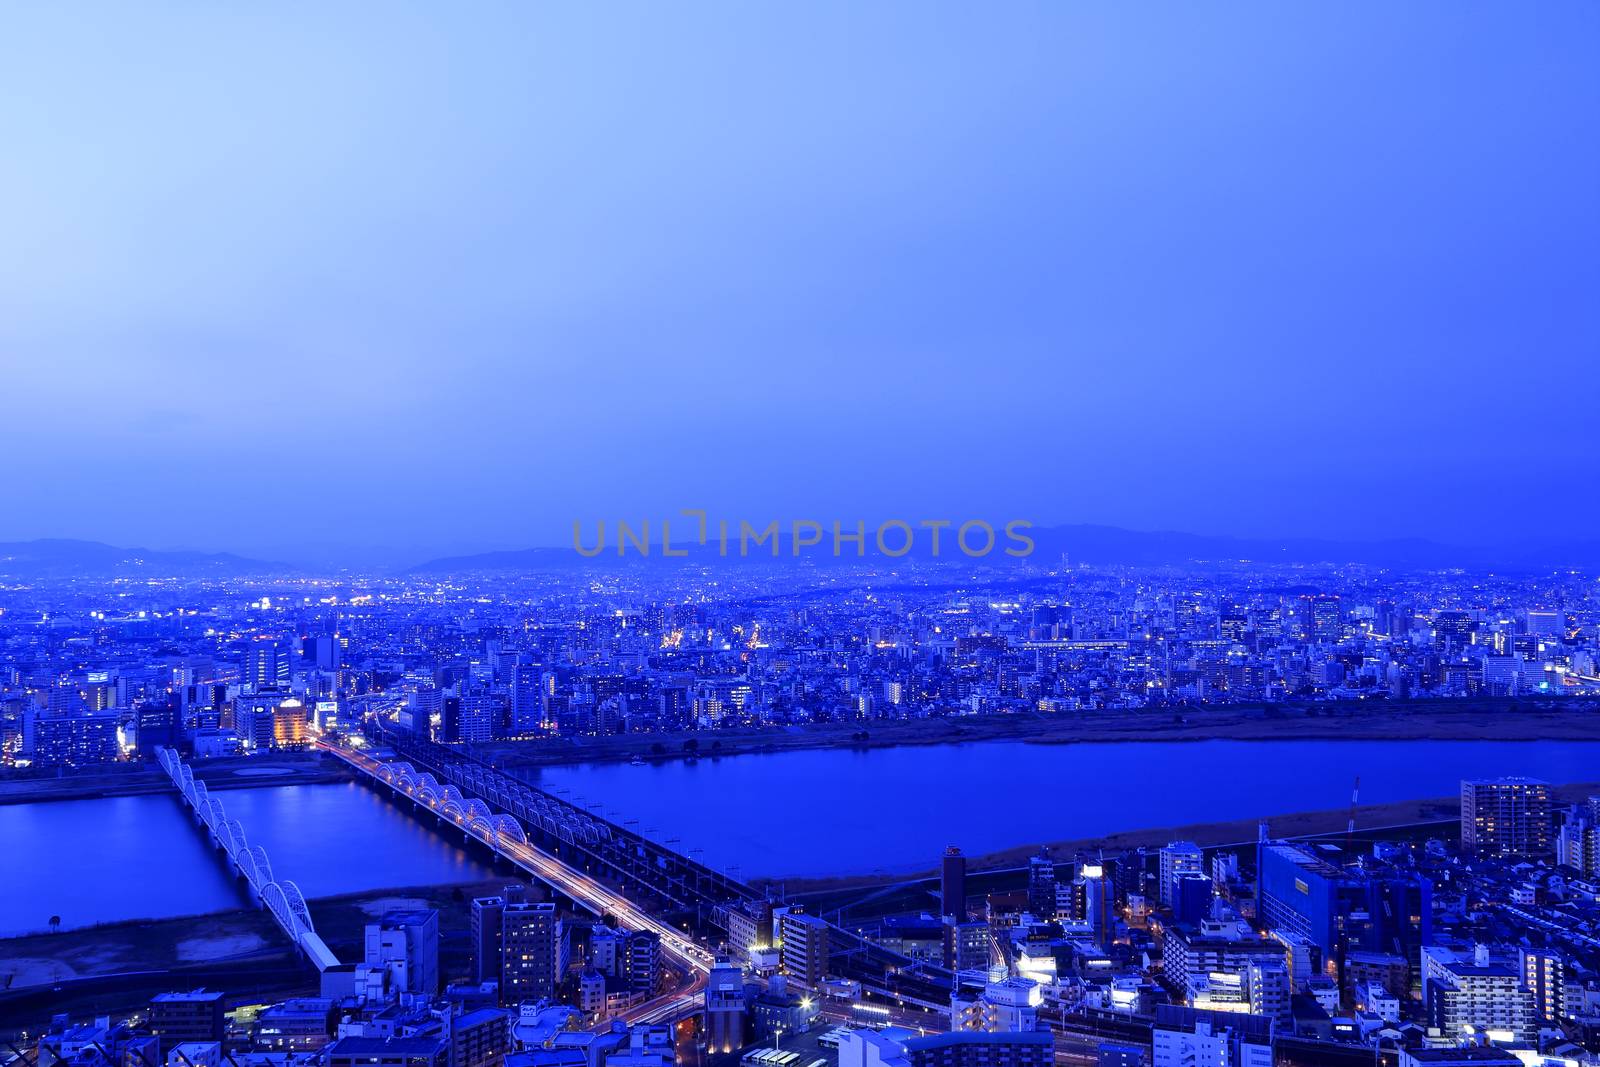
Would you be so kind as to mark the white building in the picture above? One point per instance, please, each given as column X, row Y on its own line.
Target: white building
column 1185, row 1037
column 1475, row 995
column 1010, row 1005
column 873, row 1048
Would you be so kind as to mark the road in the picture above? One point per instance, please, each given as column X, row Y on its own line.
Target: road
column 682, row 949
column 692, row 957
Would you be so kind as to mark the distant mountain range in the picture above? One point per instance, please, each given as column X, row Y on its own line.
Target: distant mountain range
column 65, row 558
column 1095, row 545
column 1111, row 545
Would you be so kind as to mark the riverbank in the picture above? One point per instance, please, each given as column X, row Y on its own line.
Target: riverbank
column 115, row 968
column 1478, row 719
column 1371, row 820
column 31, row 785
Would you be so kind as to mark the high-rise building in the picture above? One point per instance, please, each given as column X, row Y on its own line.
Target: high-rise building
column 1546, row 623
column 641, row 961
column 449, row 719
column 966, row 944
column 267, row 664
column 805, row 948
column 486, row 934
column 1326, row 619
column 1042, row 885
column 749, row 928
column 1268, row 988
column 530, row 953
column 1578, row 839
column 527, row 700
column 1301, row 895
column 1097, row 891
column 302, row 1024
column 1507, row 818
column 157, row 726
column 1191, row 955
column 1544, row 976
column 289, row 725
column 1179, row 857
column 1477, row 994
column 326, row 651
column 1191, row 897
column 480, row 713
column 953, row 884
column 75, row 740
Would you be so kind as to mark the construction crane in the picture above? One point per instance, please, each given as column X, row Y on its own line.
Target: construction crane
column 1350, row 827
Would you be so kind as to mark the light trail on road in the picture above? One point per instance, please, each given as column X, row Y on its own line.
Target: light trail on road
column 570, row 881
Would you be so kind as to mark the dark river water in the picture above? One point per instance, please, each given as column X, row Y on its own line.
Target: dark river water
column 801, row 813
column 842, row 811
column 143, row 857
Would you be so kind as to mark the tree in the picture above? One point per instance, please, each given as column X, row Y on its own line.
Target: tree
column 692, row 746
column 55, row 924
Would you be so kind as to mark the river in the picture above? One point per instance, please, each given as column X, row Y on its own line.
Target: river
column 143, row 857
column 788, row 814
column 816, row 812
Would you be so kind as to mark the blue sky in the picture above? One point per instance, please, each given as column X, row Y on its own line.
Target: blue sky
column 443, row 278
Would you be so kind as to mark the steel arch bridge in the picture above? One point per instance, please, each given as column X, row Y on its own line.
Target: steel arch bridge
column 281, row 897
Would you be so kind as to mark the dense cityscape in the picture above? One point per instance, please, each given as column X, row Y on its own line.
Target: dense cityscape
column 904, row 533
column 94, row 668
column 1472, row 940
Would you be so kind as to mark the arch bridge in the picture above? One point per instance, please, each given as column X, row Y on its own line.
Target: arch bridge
column 281, row 897
column 607, row 867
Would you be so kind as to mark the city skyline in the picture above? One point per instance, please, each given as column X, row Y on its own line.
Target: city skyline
column 591, row 804
column 907, row 534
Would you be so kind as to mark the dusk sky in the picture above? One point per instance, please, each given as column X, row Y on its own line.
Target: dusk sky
column 442, row 278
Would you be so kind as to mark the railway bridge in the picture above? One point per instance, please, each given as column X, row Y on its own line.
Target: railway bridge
column 497, row 809
column 281, row 897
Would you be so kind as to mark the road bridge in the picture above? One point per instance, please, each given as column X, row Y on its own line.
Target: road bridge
column 504, row 812
column 506, row 836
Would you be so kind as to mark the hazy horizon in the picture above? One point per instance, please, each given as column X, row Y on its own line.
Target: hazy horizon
column 386, row 557
column 430, row 284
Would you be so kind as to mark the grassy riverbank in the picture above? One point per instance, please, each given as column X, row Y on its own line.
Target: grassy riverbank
column 1371, row 820
column 117, row 967
column 1485, row 719
column 31, row 785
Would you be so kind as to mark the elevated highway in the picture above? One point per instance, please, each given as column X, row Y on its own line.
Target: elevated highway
column 609, row 868
column 504, row 834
